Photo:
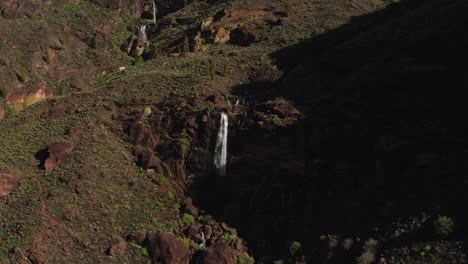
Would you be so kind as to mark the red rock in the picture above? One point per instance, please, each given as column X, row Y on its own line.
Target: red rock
column 38, row 257
column 189, row 207
column 218, row 254
column 166, row 249
column 57, row 154
column 8, row 183
column 118, row 249
column 136, row 237
column 194, row 229
column 224, row 226
column 208, row 231
column 70, row 215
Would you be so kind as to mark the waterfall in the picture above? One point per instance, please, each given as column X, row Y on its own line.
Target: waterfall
column 154, row 12
column 221, row 146
column 143, row 33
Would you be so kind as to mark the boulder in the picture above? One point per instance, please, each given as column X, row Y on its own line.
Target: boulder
column 146, row 159
column 8, row 183
column 218, row 254
column 222, row 36
column 244, row 36
column 118, row 249
column 189, row 207
column 136, row 237
column 166, row 249
column 57, row 154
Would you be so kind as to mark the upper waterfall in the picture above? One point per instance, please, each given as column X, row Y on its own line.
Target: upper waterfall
column 154, row 12
column 220, row 154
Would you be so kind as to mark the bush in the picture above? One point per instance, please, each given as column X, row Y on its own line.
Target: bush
column 366, row 257
column 294, row 248
column 244, row 258
column 146, row 112
column 186, row 220
column 444, row 225
column 370, row 245
column 186, row 47
column 348, row 243
column 4, row 92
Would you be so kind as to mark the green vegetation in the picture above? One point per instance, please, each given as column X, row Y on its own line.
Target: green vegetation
column 4, row 92
column 186, row 47
column 444, row 225
column 243, row 258
column 186, row 220
column 295, row 248
column 146, row 112
column 22, row 76
column 288, row 7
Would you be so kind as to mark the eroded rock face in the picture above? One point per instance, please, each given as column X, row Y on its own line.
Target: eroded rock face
column 166, row 249
column 58, row 153
column 8, row 183
column 20, row 100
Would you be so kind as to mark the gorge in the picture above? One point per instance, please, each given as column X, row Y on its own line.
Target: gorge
column 344, row 121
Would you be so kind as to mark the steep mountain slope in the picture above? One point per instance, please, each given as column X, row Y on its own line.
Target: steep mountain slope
column 341, row 129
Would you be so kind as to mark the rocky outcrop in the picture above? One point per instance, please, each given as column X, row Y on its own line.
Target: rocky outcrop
column 118, row 249
column 8, row 183
column 57, row 154
column 166, row 249
column 20, row 100
column 218, row 254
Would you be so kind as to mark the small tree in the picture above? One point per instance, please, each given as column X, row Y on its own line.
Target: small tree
column 212, row 69
column 186, row 47
column 4, row 92
column 444, row 225
column 225, row 69
column 288, row 7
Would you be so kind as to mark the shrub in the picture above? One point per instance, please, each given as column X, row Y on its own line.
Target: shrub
column 147, row 112
column 294, row 248
column 366, row 257
column 244, row 258
column 212, row 69
column 370, row 245
column 186, row 220
column 4, row 92
column 186, row 47
column 347, row 243
column 444, row 225
column 288, row 7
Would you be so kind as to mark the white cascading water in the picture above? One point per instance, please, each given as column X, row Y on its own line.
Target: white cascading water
column 221, row 146
column 143, row 32
column 154, row 11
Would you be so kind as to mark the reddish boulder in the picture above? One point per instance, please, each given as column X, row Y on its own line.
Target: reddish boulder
column 208, row 231
column 218, row 254
column 166, row 249
column 118, row 249
column 136, row 237
column 139, row 134
column 38, row 257
column 58, row 153
column 189, row 207
column 8, row 183
column 146, row 159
